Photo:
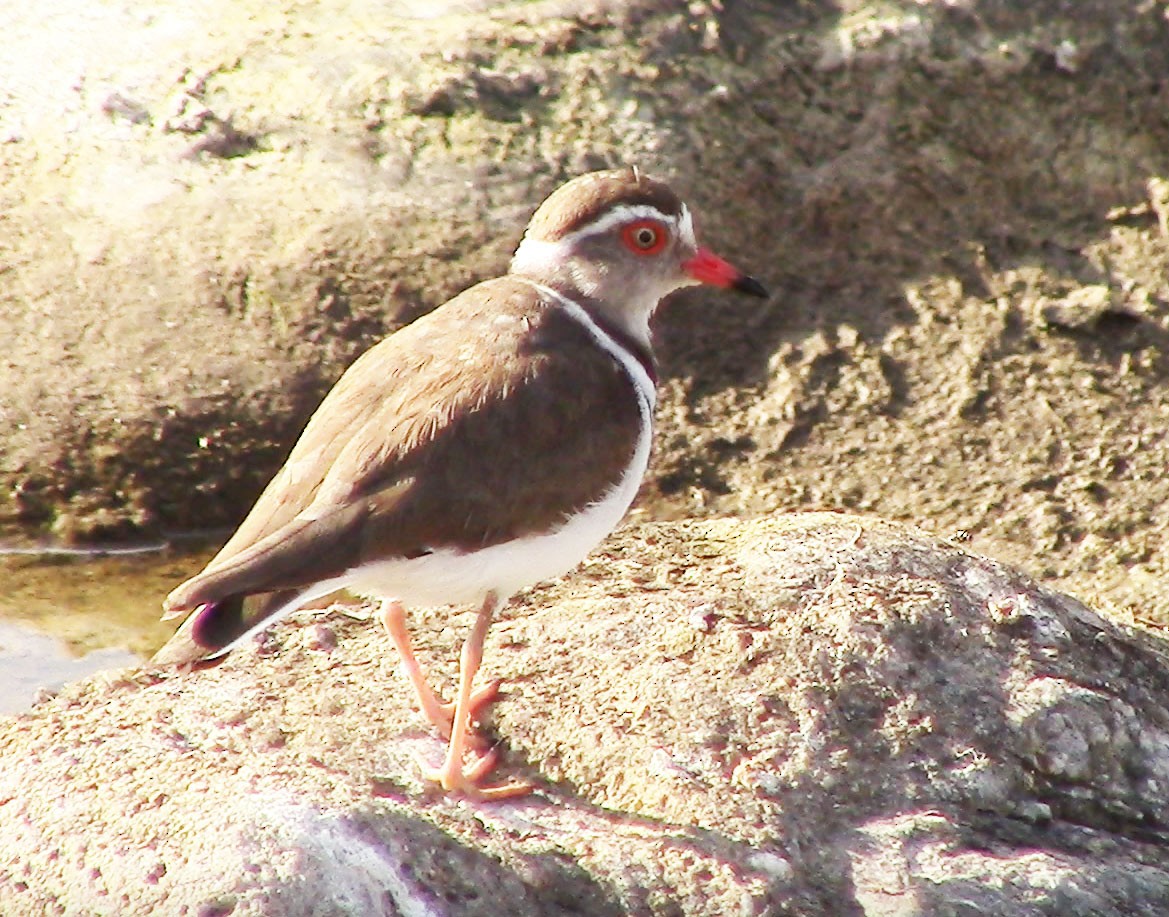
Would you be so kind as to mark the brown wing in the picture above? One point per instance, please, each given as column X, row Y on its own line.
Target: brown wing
column 512, row 412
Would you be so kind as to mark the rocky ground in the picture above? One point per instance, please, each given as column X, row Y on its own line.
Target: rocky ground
column 816, row 715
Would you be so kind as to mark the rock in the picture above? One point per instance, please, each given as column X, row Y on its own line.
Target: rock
column 1080, row 309
column 869, row 720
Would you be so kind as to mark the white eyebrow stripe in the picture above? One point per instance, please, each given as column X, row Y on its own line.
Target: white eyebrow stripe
column 623, row 213
column 540, row 254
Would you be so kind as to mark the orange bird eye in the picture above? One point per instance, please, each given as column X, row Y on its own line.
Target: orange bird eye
column 645, row 237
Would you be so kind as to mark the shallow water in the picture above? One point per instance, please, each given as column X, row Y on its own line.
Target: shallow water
column 32, row 663
column 65, row 614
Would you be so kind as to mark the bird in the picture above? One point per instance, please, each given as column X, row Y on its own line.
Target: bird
column 487, row 446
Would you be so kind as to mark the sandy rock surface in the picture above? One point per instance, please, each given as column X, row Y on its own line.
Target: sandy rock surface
column 815, row 714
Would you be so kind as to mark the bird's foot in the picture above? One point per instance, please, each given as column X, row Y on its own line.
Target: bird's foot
column 453, row 777
column 442, row 715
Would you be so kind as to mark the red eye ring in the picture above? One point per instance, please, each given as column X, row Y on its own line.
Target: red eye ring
column 645, row 237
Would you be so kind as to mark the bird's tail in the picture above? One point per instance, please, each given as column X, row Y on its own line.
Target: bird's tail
column 215, row 628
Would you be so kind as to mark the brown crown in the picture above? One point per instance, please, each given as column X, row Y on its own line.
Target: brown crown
column 583, row 199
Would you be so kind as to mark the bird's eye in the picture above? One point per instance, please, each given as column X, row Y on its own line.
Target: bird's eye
column 645, row 237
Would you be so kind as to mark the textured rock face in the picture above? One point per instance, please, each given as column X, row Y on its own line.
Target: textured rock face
column 961, row 208
column 812, row 714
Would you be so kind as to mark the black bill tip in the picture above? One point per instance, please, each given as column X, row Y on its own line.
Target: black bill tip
column 750, row 286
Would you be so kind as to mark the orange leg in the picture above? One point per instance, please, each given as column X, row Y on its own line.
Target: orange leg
column 456, row 725
column 439, row 714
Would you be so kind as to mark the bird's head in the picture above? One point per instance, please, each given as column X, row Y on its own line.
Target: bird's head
column 620, row 241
